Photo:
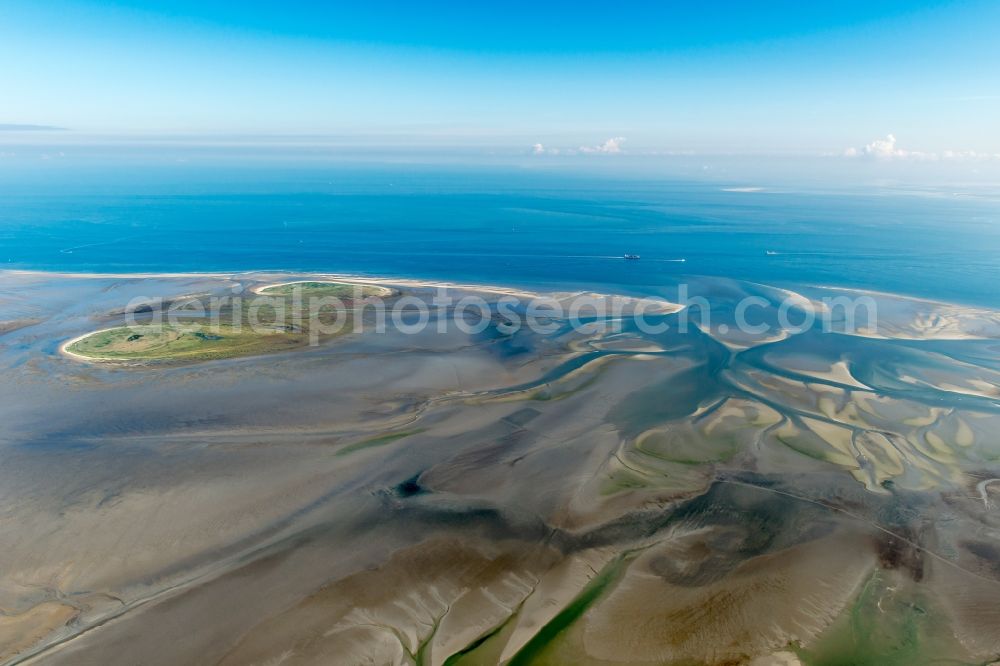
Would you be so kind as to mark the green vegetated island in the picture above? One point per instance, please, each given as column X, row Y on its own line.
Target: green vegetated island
column 240, row 327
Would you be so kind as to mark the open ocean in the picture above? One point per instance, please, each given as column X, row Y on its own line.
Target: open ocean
column 508, row 227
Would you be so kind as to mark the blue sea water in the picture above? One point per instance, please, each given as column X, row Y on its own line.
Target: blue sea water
column 501, row 226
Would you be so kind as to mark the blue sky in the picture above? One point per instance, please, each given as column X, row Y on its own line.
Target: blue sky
column 707, row 77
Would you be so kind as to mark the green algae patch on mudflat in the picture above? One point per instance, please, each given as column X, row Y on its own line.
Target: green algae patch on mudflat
column 543, row 646
column 378, row 440
column 687, row 448
column 890, row 623
column 190, row 342
column 488, row 648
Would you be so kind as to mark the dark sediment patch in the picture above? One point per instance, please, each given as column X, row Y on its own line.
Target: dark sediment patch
column 410, row 488
column 987, row 553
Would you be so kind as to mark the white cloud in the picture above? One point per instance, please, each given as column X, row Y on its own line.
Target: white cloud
column 884, row 148
column 887, row 149
column 970, row 155
column 539, row 149
column 611, row 146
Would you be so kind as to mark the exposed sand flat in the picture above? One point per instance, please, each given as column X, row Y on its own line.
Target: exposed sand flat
column 972, row 602
column 781, row 658
column 759, row 608
column 12, row 325
column 914, row 319
column 983, row 488
column 837, row 372
column 736, row 341
column 627, row 345
column 19, row 631
column 427, row 603
column 653, row 305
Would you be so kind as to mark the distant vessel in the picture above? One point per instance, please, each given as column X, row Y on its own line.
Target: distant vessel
column 632, row 257
column 770, row 252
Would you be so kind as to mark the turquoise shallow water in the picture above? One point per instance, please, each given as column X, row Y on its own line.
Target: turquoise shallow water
column 501, row 226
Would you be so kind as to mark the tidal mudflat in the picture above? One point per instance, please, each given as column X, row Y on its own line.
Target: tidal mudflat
column 584, row 495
